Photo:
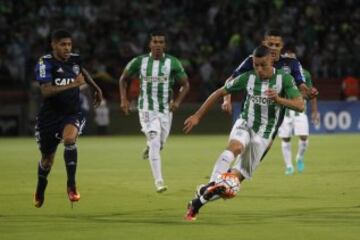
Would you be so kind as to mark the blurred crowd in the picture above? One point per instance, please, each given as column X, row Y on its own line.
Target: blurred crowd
column 210, row 37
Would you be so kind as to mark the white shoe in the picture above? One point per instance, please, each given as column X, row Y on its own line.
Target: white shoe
column 160, row 187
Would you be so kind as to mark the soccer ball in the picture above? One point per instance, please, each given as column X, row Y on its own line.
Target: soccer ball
column 230, row 182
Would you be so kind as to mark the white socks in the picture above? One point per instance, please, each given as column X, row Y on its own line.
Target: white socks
column 154, row 156
column 303, row 145
column 222, row 164
column 286, row 151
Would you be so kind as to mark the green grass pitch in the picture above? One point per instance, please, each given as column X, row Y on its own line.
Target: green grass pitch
column 119, row 200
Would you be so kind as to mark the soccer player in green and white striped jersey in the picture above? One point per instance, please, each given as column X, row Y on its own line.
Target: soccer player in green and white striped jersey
column 296, row 123
column 268, row 91
column 158, row 73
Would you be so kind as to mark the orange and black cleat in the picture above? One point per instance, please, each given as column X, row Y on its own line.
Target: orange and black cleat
column 191, row 212
column 73, row 194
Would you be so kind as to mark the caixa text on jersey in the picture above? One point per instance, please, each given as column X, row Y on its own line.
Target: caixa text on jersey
column 63, row 81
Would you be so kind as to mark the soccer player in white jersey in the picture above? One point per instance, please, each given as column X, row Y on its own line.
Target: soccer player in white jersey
column 296, row 123
column 158, row 72
column 268, row 91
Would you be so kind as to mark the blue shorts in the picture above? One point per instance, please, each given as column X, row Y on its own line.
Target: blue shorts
column 48, row 131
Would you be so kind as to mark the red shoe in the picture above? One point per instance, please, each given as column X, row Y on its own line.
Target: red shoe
column 191, row 213
column 38, row 200
column 73, row 194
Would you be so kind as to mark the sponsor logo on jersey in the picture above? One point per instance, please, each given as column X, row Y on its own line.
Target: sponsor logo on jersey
column 260, row 100
column 60, row 70
column 155, row 79
column 286, row 69
column 63, row 81
column 76, row 69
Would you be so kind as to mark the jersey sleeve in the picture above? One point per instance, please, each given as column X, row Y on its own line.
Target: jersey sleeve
column 43, row 71
column 308, row 80
column 297, row 72
column 245, row 66
column 178, row 70
column 237, row 84
column 133, row 66
column 291, row 91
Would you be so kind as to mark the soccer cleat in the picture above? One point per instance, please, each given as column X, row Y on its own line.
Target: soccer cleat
column 39, row 195
column 300, row 164
column 145, row 154
column 289, row 171
column 38, row 199
column 73, row 194
column 191, row 212
column 160, row 187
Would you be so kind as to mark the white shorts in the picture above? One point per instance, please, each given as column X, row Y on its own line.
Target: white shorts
column 294, row 125
column 255, row 147
column 152, row 121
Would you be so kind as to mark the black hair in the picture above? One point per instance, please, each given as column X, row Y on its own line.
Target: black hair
column 58, row 34
column 261, row 51
column 273, row 32
column 289, row 47
column 157, row 32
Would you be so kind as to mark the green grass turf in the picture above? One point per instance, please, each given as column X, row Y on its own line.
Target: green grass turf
column 119, row 201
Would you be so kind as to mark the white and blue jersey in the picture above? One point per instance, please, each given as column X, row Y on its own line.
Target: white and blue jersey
column 290, row 65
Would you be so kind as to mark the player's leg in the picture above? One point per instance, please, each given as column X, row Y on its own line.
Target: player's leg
column 285, row 133
column 155, row 159
column 237, row 145
column 301, row 129
column 225, row 159
column 73, row 126
column 69, row 135
column 151, row 127
column 48, row 143
column 213, row 191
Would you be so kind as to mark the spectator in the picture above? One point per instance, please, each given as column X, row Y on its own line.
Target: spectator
column 102, row 118
column 350, row 88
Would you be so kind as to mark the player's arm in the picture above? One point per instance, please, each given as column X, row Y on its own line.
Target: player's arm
column 48, row 90
column 182, row 79
column 43, row 74
column 294, row 99
column 296, row 103
column 184, row 89
column 131, row 68
column 194, row 119
column 124, row 102
column 226, row 106
column 97, row 93
column 297, row 73
column 315, row 117
column 235, row 84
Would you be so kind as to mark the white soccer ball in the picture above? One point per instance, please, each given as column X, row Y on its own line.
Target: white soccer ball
column 230, row 182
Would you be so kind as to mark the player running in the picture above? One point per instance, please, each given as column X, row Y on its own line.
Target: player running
column 158, row 73
column 296, row 123
column 268, row 91
column 274, row 41
column 60, row 75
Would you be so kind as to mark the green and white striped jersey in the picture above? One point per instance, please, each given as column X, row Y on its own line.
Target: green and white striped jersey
column 157, row 78
column 261, row 113
column 309, row 84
